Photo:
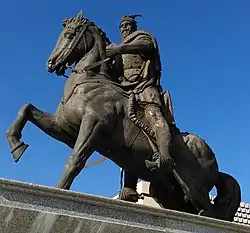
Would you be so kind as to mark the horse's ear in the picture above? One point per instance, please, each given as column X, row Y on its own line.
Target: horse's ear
column 79, row 16
column 65, row 21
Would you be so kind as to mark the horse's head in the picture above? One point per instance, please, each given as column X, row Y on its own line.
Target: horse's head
column 76, row 39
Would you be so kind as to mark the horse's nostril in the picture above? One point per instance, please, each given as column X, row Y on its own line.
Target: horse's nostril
column 49, row 64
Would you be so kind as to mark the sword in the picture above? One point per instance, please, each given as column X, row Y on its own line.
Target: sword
column 94, row 65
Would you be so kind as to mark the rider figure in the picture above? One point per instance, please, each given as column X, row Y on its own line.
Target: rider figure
column 141, row 73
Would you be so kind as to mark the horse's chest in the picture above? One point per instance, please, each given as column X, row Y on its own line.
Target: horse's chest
column 84, row 94
column 80, row 90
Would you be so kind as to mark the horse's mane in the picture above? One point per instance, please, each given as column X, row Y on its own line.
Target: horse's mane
column 83, row 20
column 104, row 35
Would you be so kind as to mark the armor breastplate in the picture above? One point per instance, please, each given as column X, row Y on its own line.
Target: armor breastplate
column 132, row 64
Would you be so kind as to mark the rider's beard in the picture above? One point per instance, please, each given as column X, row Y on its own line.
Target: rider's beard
column 125, row 34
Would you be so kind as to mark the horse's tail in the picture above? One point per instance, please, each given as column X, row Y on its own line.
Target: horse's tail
column 228, row 198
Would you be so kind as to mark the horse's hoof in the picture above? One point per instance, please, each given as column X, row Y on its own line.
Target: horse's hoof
column 206, row 213
column 18, row 150
column 128, row 194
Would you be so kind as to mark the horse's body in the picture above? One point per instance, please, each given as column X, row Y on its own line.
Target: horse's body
column 92, row 116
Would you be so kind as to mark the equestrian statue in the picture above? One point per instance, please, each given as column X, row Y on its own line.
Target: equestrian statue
column 113, row 103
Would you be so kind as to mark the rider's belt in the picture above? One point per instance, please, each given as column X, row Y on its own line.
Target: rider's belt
column 132, row 74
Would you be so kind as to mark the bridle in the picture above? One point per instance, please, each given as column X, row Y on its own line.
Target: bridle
column 85, row 25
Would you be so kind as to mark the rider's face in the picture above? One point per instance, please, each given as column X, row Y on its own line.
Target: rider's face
column 126, row 28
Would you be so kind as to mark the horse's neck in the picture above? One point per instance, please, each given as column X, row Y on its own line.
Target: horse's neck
column 76, row 78
column 91, row 57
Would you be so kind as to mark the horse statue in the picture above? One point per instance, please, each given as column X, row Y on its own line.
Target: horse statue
column 93, row 116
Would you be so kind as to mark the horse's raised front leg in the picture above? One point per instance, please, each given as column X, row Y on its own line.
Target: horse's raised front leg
column 83, row 149
column 44, row 121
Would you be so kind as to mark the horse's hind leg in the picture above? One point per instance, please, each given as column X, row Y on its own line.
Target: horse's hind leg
column 82, row 150
column 168, row 196
column 46, row 122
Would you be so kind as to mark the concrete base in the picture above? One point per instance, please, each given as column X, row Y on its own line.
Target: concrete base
column 28, row 208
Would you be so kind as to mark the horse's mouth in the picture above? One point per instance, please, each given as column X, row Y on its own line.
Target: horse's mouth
column 58, row 68
column 60, row 64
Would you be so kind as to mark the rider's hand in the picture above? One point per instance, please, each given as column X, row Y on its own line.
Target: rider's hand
column 167, row 161
column 112, row 50
column 110, row 46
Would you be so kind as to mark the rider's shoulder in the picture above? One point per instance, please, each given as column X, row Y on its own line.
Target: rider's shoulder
column 142, row 35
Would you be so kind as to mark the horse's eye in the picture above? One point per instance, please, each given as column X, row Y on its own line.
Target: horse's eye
column 68, row 35
column 78, row 29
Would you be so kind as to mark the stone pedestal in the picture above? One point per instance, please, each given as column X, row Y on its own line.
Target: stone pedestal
column 28, row 208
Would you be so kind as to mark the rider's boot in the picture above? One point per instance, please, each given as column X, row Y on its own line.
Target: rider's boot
column 160, row 162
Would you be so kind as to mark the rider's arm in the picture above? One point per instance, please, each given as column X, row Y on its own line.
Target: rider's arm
column 138, row 46
column 141, row 45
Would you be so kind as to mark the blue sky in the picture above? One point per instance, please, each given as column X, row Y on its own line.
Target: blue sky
column 204, row 47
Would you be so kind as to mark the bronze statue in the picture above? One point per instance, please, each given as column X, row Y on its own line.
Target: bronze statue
column 98, row 114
